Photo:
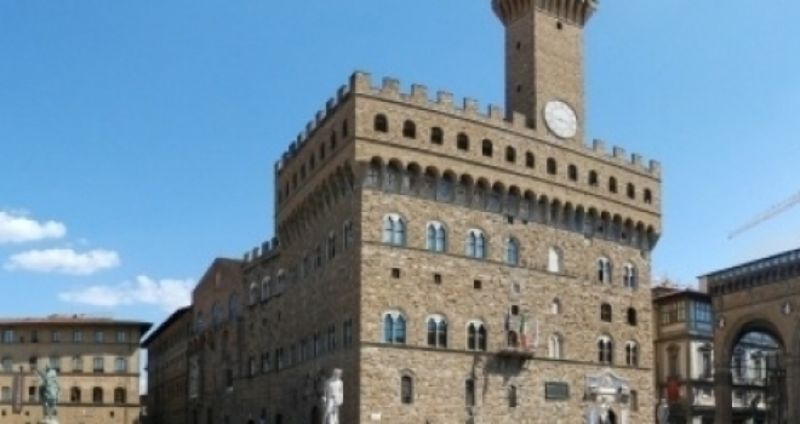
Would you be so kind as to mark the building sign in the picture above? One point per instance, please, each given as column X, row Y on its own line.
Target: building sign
column 556, row 391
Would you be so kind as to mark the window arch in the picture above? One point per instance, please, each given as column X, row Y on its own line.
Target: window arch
column 97, row 395
column 572, row 172
column 632, row 354
column 631, row 191
column 511, row 154
column 605, row 312
column 555, row 259
column 409, row 129
column 394, row 327
column 604, row 270
column 381, row 124
column 75, row 395
column 253, row 292
column 487, row 148
column 266, row 283
column 612, row 185
column 555, row 347
column 629, row 277
column 437, row 331
column 120, row 396
column 437, row 135
column 605, row 350
column 555, row 306
column 462, row 142
column 406, row 389
column 594, row 180
column 552, row 166
column 530, row 160
column 394, row 230
column 476, row 244
column 631, row 316
column 648, row 196
column 436, row 237
column 476, row 336
column 512, row 251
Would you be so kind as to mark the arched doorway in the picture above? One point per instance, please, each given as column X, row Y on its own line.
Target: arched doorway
column 612, row 417
column 758, row 376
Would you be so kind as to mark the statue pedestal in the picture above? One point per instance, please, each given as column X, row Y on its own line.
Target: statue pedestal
column 49, row 421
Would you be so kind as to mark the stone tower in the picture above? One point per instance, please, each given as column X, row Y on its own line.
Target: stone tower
column 544, row 62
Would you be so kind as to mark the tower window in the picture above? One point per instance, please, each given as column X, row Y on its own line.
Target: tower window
column 437, row 135
column 552, row 166
column 559, row 25
column 631, row 191
column 530, row 160
column 395, row 273
column 407, row 390
column 462, row 142
column 477, row 284
column 605, row 312
column 648, row 196
column 381, row 123
column 572, row 171
column 511, row 154
column 593, row 180
column 612, row 185
column 486, row 148
column 519, row 45
column 437, row 331
column 409, row 129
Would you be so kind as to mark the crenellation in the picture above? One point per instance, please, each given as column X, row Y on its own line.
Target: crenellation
column 618, row 153
column 444, row 99
column 341, row 94
column 419, row 93
column 637, row 161
column 495, row 113
column 655, row 167
column 309, row 129
column 390, row 87
column 470, row 106
column 361, row 82
column 330, row 105
column 318, row 118
column 599, row 146
column 519, row 121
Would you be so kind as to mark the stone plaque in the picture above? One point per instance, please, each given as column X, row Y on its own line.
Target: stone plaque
column 556, row 391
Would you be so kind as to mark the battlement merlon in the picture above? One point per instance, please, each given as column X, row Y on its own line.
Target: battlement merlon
column 390, row 89
column 577, row 12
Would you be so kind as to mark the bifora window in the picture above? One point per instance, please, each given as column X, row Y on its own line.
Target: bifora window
column 437, row 331
column 436, row 237
column 394, row 327
column 394, row 230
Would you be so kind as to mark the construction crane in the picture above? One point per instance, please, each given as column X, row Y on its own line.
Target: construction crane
column 767, row 215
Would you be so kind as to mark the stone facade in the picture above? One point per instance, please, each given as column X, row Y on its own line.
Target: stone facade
column 458, row 266
column 167, row 362
column 98, row 363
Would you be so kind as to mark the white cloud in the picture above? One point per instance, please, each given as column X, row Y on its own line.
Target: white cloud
column 18, row 228
column 65, row 261
column 168, row 294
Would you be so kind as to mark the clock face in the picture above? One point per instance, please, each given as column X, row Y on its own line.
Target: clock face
column 561, row 119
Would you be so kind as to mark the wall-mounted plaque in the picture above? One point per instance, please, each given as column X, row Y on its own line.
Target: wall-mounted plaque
column 556, row 391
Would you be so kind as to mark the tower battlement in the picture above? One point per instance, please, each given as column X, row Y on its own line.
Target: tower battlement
column 577, row 12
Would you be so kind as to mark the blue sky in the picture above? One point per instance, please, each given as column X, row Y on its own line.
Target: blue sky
column 138, row 138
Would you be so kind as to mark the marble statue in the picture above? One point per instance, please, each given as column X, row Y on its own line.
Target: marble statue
column 333, row 397
column 592, row 415
column 604, row 409
column 48, row 394
column 662, row 412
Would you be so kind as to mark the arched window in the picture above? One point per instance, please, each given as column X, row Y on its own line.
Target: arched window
column 631, row 190
column 266, row 283
column 554, row 347
column 394, row 230
column 593, row 179
column 406, row 390
column 437, row 135
column 436, row 237
column 97, row 395
column 253, row 293
column 476, row 244
column 604, row 271
column 120, row 396
column 555, row 307
column 476, row 336
column 612, row 185
column 374, row 174
column 648, row 196
column 605, row 350
column 75, row 395
column 486, row 148
column 381, row 123
column 632, row 354
column 511, row 154
column 530, row 160
column 629, row 280
column 552, row 166
column 462, row 142
column 409, row 129
column 572, row 172
column 512, row 396
column 394, row 327
column 605, row 312
column 554, row 259
column 437, row 331
column 632, row 320
column 512, row 251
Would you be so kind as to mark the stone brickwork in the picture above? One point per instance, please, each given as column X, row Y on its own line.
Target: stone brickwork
column 317, row 296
